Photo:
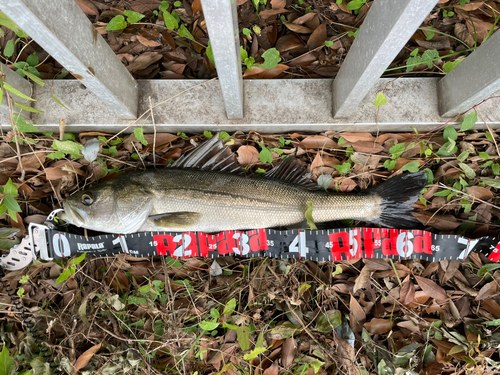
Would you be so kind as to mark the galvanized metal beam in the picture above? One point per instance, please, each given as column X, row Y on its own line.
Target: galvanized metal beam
column 20, row 84
column 389, row 24
column 63, row 30
column 472, row 81
column 411, row 102
column 222, row 25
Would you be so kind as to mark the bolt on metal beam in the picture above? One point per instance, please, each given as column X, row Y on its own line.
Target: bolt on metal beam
column 389, row 24
column 222, row 25
column 63, row 30
column 474, row 80
column 20, row 84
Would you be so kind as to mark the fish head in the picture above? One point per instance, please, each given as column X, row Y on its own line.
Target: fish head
column 108, row 207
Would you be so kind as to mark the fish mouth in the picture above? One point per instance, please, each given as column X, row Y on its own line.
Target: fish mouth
column 74, row 215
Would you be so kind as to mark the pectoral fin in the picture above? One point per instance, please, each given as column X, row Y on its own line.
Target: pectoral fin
column 176, row 219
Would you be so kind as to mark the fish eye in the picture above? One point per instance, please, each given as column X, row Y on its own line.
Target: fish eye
column 87, row 199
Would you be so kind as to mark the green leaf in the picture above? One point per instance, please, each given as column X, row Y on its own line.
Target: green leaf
column 390, row 164
column 254, row 353
column 429, row 56
column 487, row 268
column 469, row 172
column 243, row 334
column 170, row 21
column 32, row 59
column 224, row 136
column 309, row 216
column 329, row 321
column 338, row 271
column 184, row 32
column 214, row 314
column 380, row 100
column 58, row 101
column 469, row 121
column 7, row 363
column 177, row 4
column 164, row 6
column 139, row 134
column 494, row 323
column 246, row 31
column 230, row 306
column 16, row 92
column 491, row 182
column 397, row 150
column 430, row 33
column 328, row 43
column 79, row 259
column 116, row 23
column 411, row 167
column 484, row 155
column 133, row 17
column 68, row 147
column 450, row 65
column 265, row 154
column 249, row 61
column 208, row 326
column 450, row 133
column 244, row 53
column 443, row 193
column 344, row 168
column 56, row 155
column 11, row 204
column 10, row 189
column 260, row 171
column 137, row 300
column 316, row 365
column 271, row 59
column 34, row 77
column 355, row 4
column 64, row 276
column 24, row 127
column 9, row 48
column 27, row 108
column 210, row 53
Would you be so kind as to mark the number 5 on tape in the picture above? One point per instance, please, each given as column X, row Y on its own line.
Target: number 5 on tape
column 120, row 240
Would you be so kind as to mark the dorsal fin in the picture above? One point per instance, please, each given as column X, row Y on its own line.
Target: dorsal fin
column 211, row 155
column 291, row 170
column 214, row 156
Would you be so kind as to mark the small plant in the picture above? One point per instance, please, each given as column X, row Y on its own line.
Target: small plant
column 119, row 23
column 71, row 269
column 8, row 203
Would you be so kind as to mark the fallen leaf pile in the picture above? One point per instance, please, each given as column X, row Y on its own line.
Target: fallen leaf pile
column 264, row 315
column 278, row 38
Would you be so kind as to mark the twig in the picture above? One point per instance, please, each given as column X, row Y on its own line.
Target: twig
column 154, row 132
column 489, row 129
column 14, row 128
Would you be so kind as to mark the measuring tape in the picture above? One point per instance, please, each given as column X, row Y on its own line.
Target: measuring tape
column 318, row 246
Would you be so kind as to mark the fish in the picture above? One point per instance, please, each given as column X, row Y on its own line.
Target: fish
column 207, row 191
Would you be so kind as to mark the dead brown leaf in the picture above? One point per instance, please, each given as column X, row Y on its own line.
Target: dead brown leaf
column 84, row 359
column 378, row 326
column 488, row 290
column 143, row 61
column 268, row 13
column 196, row 6
column 289, row 42
column 358, row 137
column 407, row 293
column 146, row 42
column 297, row 28
column 288, row 352
column 305, row 18
column 143, row 6
column 357, row 315
column 318, row 37
column 363, row 281
column 260, row 73
column 431, row 288
column 248, row 155
column 441, row 222
column 367, row 147
column 480, row 192
column 87, row 7
column 318, row 141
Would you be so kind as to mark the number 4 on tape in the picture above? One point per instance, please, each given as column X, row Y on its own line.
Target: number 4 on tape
column 298, row 245
column 120, row 240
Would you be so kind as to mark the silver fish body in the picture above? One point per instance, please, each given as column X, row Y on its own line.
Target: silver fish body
column 194, row 199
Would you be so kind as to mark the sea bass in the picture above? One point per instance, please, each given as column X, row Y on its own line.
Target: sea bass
column 206, row 191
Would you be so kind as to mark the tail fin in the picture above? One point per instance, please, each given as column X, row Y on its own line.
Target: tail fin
column 398, row 195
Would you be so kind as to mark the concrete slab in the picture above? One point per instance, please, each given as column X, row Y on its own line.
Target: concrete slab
column 270, row 106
